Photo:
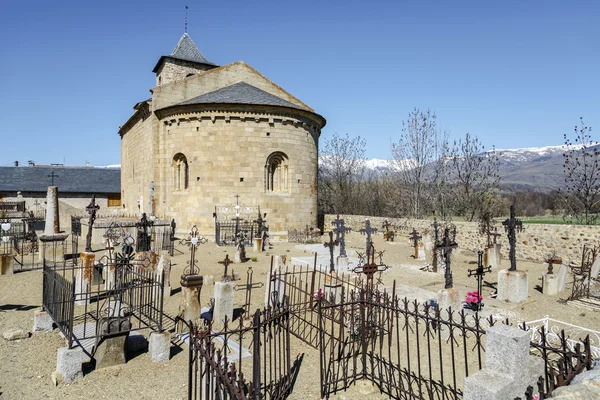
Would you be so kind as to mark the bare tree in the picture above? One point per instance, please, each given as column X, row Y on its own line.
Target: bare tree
column 414, row 151
column 473, row 175
column 581, row 196
column 341, row 169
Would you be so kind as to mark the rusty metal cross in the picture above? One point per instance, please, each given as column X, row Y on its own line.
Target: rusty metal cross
column 479, row 272
column 226, row 262
column 91, row 209
column 368, row 230
column 370, row 268
column 331, row 245
column 415, row 237
column 52, row 176
column 512, row 225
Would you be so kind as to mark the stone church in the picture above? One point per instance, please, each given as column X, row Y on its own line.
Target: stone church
column 211, row 132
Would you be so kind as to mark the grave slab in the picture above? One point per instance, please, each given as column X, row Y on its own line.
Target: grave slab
column 224, row 293
column 549, row 284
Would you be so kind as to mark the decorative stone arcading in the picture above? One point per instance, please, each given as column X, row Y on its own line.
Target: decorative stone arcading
column 535, row 243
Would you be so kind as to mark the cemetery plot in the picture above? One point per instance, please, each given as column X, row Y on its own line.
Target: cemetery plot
column 231, row 220
column 89, row 301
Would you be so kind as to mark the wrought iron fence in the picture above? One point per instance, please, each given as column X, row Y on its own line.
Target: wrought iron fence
column 87, row 300
column 217, row 365
column 226, row 232
column 12, row 206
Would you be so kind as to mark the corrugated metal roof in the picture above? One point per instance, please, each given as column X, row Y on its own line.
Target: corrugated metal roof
column 69, row 180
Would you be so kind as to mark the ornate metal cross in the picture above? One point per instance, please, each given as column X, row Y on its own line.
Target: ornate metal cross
column 248, row 288
column 446, row 246
column 192, row 242
column 340, row 234
column 493, row 235
column 144, row 224
column 226, row 262
column 260, row 221
column 91, row 210
column 368, row 230
column 415, row 237
column 512, row 225
column 52, row 176
column 480, row 272
column 370, row 267
column 331, row 245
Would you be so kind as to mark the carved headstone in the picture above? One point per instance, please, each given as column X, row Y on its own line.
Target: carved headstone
column 224, row 293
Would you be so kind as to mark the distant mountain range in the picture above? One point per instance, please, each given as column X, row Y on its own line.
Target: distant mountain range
column 532, row 168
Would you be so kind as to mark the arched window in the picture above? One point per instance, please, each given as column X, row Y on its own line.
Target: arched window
column 180, row 172
column 276, row 173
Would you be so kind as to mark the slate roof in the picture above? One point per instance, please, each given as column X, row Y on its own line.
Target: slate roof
column 70, row 179
column 240, row 93
column 186, row 50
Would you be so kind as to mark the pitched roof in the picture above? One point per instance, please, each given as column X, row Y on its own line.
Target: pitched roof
column 70, row 179
column 240, row 93
column 186, row 50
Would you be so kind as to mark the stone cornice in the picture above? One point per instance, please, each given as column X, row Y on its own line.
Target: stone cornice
column 142, row 112
column 245, row 112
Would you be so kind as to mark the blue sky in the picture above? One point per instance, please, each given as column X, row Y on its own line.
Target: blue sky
column 516, row 73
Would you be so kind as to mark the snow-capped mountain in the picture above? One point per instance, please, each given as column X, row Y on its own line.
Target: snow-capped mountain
column 530, row 168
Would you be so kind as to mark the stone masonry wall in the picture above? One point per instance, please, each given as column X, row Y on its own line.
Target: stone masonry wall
column 177, row 70
column 535, row 243
column 227, row 156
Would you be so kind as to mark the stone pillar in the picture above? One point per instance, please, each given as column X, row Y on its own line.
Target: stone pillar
column 163, row 270
column 6, row 264
column 83, row 278
column 421, row 252
column 69, row 363
column 512, row 286
column 223, row 303
column 595, row 268
column 191, row 285
column 509, row 369
column 449, row 298
column 562, row 277
column 549, row 284
column 52, row 226
column 492, row 256
column 42, row 321
column 258, row 244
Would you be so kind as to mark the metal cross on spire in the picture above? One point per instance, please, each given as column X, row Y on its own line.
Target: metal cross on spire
column 186, row 10
column 52, row 176
column 512, row 225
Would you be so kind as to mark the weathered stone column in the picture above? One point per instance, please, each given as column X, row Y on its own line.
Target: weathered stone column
column 52, row 226
column 190, row 288
column 6, row 264
column 509, row 369
column 421, row 251
column 163, row 270
column 83, row 278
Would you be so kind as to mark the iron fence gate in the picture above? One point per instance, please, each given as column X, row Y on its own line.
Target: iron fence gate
column 218, row 368
column 226, row 232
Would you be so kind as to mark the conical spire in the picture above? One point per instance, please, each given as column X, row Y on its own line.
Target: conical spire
column 187, row 50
